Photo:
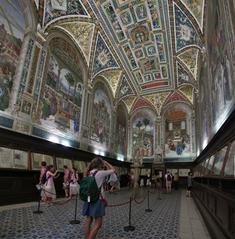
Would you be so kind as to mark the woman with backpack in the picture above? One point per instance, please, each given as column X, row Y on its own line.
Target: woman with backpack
column 95, row 209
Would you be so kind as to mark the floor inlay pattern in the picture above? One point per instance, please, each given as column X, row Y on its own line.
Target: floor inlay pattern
column 162, row 222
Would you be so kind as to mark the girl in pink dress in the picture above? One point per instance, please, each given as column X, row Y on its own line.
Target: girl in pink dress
column 48, row 190
column 67, row 177
column 43, row 171
column 74, row 186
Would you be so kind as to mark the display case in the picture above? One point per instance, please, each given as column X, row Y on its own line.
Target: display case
column 81, row 166
column 61, row 162
column 229, row 168
column 37, row 159
column 219, row 161
column 13, row 159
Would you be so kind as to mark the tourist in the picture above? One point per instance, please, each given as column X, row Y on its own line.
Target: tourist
column 96, row 210
column 168, row 179
column 48, row 189
column 67, row 175
column 73, row 186
column 189, row 184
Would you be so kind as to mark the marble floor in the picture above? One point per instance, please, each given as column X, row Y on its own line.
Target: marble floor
column 174, row 216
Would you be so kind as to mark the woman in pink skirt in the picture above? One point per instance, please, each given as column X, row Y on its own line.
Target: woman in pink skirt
column 48, row 190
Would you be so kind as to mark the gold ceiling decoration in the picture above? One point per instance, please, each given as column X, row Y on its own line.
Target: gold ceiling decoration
column 112, row 77
column 129, row 101
column 83, row 33
column 189, row 58
column 157, row 100
column 187, row 91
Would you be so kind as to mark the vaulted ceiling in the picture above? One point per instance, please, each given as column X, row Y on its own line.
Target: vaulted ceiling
column 142, row 48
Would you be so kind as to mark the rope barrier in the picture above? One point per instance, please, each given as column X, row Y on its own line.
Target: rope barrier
column 148, row 209
column 118, row 205
column 62, row 203
column 139, row 202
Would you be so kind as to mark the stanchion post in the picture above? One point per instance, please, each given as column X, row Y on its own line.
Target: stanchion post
column 75, row 221
column 148, row 209
column 39, row 203
column 159, row 194
column 129, row 227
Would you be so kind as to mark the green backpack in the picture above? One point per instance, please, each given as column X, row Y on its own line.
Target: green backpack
column 88, row 187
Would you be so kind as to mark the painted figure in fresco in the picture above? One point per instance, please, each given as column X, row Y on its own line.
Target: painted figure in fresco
column 76, row 120
column 45, row 107
column 78, row 95
column 114, row 20
column 141, row 12
column 60, row 105
column 10, row 47
column 126, row 19
column 227, row 79
column 171, row 144
column 121, row 144
column 185, row 33
column 101, row 119
column 179, row 149
column 6, row 81
column 219, row 89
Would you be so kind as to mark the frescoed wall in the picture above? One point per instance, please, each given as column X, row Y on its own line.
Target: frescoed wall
column 12, row 28
column 101, row 119
column 205, row 113
column 143, row 130
column 121, row 131
column 62, row 95
column 221, row 62
column 178, row 132
column 217, row 83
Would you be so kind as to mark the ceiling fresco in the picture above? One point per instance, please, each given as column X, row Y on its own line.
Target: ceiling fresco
column 62, row 9
column 189, row 58
column 124, row 89
column 104, row 58
column 143, row 48
column 196, row 8
column 139, row 30
column 82, row 33
column 158, row 100
column 112, row 77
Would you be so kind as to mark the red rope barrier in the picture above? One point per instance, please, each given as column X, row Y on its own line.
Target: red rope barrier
column 118, row 205
column 62, row 203
column 139, row 202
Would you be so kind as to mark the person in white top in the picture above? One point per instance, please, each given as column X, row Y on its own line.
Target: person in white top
column 168, row 179
column 96, row 210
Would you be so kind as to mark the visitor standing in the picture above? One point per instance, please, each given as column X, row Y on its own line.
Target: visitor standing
column 168, row 179
column 189, row 184
column 96, row 210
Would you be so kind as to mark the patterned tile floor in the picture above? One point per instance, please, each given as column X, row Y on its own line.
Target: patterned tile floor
column 162, row 222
